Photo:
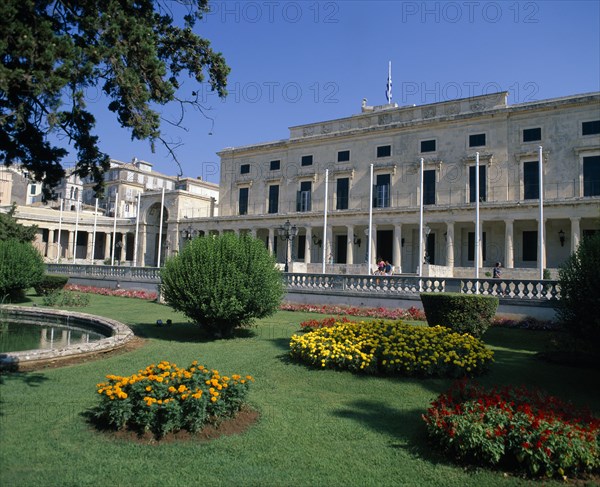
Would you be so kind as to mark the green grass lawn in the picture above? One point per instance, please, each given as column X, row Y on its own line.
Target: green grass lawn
column 317, row 427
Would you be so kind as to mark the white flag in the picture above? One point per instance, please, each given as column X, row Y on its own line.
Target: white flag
column 388, row 90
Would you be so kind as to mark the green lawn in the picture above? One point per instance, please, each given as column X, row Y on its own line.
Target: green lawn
column 317, row 427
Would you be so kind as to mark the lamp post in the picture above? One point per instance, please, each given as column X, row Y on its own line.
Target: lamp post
column 287, row 232
column 189, row 233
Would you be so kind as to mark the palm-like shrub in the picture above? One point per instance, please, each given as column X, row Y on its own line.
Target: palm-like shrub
column 21, row 267
column 223, row 282
column 579, row 292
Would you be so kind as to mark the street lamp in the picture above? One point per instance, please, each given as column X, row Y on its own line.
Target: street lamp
column 287, row 232
column 189, row 233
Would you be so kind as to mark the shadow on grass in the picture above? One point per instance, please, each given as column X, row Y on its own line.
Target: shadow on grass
column 406, row 428
column 30, row 379
column 184, row 332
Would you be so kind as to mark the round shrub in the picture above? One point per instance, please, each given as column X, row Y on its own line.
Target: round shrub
column 223, row 282
column 578, row 281
column 50, row 283
column 463, row 313
column 164, row 398
column 515, row 429
column 392, row 347
column 22, row 267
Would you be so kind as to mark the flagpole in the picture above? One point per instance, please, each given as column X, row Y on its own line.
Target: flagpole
column 541, row 217
column 162, row 205
column 370, row 248
column 421, row 225
column 477, row 241
column 325, row 220
column 114, row 237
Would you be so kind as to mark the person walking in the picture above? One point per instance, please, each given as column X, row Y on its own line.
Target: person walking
column 497, row 272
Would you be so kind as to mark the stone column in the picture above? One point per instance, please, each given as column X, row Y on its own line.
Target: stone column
column 308, row 245
column 330, row 245
column 271, row 237
column 141, row 256
column 397, row 248
column 50, row 252
column 509, row 256
column 450, row 244
column 71, row 248
column 350, row 244
column 107, row 239
column 575, row 233
column 89, row 254
column 123, row 247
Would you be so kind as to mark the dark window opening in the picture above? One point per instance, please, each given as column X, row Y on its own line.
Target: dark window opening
column 306, row 160
column 482, row 181
column 428, row 145
column 381, row 191
column 275, row 165
column 343, row 156
column 342, row 193
column 243, row 201
column 532, row 135
column 591, row 176
column 429, row 187
column 384, row 151
column 273, row 199
column 245, row 169
column 300, row 253
column 530, row 245
column 590, row 128
column 303, row 197
column 531, row 180
column 471, row 246
column 476, row 140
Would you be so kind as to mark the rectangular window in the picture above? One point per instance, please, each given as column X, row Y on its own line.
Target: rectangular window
column 275, row 165
column 590, row 128
column 243, row 201
column 476, row 140
column 341, row 200
column 384, row 151
column 274, row 198
column 531, row 180
column 428, row 145
column 303, row 197
column 301, row 247
column 532, row 135
column 471, row 246
column 429, row 187
column 591, row 176
column 482, row 184
column 343, row 156
column 306, row 160
column 530, row 246
column 33, row 189
column 245, row 169
column 381, row 191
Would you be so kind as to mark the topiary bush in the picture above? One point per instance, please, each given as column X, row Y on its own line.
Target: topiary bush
column 223, row 282
column 21, row 267
column 50, row 283
column 579, row 294
column 463, row 313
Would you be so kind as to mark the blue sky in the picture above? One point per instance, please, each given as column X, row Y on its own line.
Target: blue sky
column 307, row 61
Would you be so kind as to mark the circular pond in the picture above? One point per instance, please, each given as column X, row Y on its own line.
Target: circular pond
column 29, row 335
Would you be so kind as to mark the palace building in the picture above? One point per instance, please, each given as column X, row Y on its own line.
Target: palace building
column 335, row 180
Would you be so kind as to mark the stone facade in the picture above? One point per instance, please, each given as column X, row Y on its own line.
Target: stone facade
column 264, row 185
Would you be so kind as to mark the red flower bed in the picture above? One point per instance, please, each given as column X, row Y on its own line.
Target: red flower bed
column 311, row 325
column 127, row 293
column 515, row 428
column 411, row 313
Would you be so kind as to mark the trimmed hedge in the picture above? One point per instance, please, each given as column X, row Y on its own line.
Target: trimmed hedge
column 50, row 283
column 463, row 313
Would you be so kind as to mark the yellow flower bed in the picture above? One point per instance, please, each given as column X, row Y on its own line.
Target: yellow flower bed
column 393, row 347
column 164, row 397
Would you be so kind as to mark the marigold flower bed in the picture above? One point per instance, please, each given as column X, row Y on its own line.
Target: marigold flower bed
column 518, row 429
column 164, row 398
column 392, row 347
